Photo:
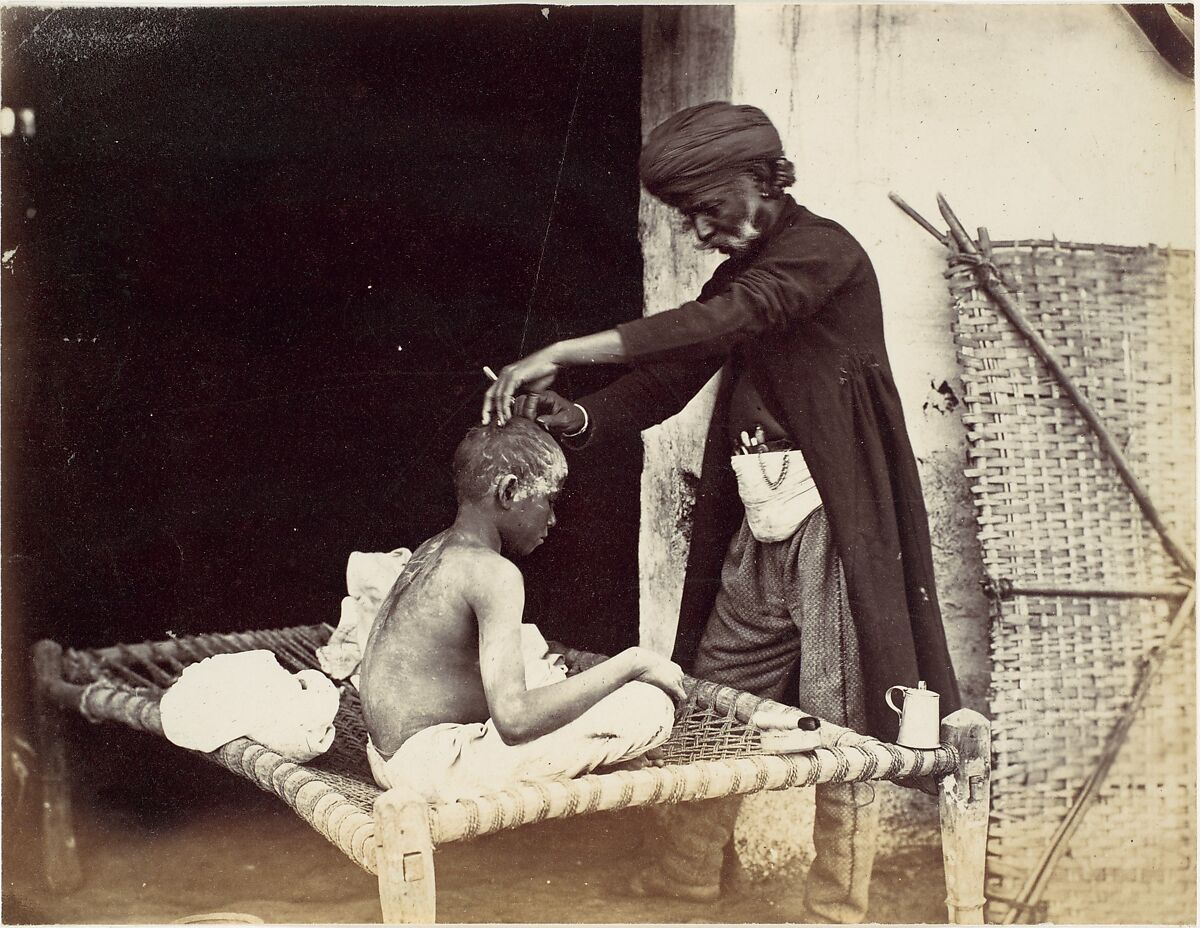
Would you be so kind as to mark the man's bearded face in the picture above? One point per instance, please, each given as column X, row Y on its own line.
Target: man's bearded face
column 727, row 218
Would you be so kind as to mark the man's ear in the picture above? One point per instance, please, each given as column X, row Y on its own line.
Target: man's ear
column 506, row 490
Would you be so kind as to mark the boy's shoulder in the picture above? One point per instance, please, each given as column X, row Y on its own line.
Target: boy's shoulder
column 480, row 564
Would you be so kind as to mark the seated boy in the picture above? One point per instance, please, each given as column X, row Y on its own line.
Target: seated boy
column 443, row 684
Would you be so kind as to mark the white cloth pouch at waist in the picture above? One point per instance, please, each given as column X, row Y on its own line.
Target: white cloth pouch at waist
column 777, row 491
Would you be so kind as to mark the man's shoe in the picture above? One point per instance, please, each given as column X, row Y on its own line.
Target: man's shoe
column 652, row 883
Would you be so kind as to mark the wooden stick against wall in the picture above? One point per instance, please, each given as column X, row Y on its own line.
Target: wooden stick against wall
column 918, row 218
column 404, row 862
column 964, row 800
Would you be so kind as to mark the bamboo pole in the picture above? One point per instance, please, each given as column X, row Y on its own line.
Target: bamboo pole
column 918, row 218
column 1006, row 589
column 991, row 284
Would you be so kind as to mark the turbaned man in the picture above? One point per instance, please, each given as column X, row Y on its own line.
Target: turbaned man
column 810, row 577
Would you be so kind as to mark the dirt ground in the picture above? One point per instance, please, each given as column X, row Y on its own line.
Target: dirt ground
column 233, row 848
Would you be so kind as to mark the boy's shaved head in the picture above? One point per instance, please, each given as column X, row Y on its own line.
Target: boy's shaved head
column 521, row 448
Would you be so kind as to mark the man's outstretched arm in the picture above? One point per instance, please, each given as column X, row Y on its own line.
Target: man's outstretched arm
column 641, row 398
column 497, row 595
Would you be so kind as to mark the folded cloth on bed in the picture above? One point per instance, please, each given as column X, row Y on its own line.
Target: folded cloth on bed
column 249, row 694
column 369, row 577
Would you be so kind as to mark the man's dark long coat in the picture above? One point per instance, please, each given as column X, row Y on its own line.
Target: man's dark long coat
column 800, row 315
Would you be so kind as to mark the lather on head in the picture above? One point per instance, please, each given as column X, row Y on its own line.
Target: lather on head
column 521, row 448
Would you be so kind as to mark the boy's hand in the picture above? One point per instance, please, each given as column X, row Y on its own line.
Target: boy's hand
column 663, row 673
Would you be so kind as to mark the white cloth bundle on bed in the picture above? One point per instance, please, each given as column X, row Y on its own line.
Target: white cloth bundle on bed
column 369, row 577
column 249, row 694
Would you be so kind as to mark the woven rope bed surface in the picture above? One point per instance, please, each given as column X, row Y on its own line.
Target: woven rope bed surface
column 1053, row 512
column 712, row 751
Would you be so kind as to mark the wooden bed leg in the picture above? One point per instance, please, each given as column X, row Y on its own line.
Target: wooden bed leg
column 964, row 804
column 60, row 857
column 407, row 893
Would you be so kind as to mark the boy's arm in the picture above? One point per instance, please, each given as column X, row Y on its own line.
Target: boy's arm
column 497, row 595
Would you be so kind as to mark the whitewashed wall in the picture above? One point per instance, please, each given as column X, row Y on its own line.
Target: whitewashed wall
column 1034, row 121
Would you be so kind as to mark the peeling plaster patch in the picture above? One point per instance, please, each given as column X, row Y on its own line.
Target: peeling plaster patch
column 689, row 483
column 941, row 399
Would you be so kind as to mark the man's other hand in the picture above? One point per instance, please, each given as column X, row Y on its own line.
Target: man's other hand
column 557, row 414
column 663, row 673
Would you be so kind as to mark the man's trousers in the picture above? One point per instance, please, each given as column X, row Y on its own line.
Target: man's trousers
column 781, row 628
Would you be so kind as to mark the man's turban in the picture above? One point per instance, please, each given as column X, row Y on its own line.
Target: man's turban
column 703, row 144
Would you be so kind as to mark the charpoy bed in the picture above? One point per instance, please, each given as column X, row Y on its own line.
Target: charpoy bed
column 713, row 752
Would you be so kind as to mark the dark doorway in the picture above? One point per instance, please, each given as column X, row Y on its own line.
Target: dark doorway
column 255, row 260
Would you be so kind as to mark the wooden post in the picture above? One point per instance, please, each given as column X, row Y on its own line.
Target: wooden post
column 60, row 857
column 964, row 804
column 687, row 58
column 407, row 893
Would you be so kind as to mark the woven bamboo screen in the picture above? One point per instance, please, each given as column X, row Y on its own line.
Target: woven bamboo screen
column 1053, row 512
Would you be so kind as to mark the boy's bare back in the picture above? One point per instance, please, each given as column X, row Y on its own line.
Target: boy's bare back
column 421, row 662
column 446, row 645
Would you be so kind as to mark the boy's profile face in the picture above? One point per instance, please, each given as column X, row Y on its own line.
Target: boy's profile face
column 529, row 519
